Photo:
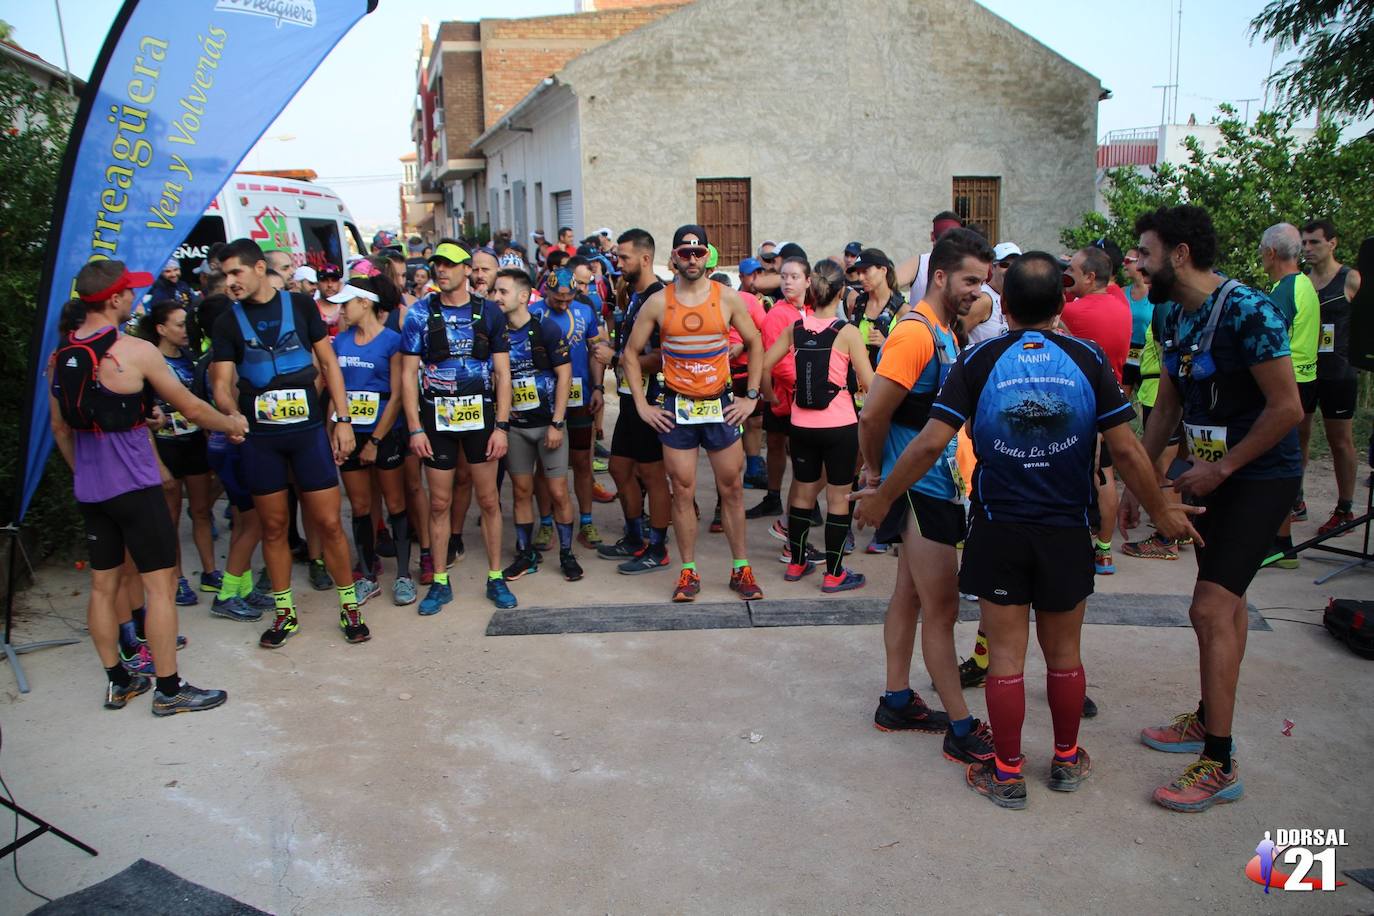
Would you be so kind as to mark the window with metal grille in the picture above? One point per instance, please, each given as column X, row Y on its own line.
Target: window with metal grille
column 723, row 210
column 976, row 200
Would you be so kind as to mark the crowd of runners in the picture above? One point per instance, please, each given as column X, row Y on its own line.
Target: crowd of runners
column 972, row 399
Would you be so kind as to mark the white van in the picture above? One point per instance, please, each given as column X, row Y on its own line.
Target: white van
column 307, row 220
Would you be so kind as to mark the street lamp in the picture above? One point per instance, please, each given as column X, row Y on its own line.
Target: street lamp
column 283, row 138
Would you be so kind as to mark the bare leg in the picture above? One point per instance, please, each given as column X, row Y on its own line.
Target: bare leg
column 682, row 471
column 899, row 630
column 1219, row 622
column 171, row 491
column 934, row 569
column 489, row 504
column 276, row 553
column 728, row 466
column 1341, row 437
column 198, row 488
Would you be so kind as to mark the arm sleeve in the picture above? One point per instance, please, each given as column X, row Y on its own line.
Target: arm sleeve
column 308, row 317
column 905, row 354
column 553, row 343
column 958, row 398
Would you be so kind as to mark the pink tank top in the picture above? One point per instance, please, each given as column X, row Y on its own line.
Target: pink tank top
column 840, row 410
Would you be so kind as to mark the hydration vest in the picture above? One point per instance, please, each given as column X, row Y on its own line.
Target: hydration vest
column 84, row 403
column 1228, row 395
column 286, row 364
column 437, row 349
column 814, row 390
column 914, row 409
column 539, row 353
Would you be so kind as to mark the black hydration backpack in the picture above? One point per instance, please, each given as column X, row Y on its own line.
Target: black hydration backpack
column 84, row 403
column 814, row 389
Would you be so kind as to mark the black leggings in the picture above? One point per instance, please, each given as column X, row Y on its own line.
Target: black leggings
column 832, row 449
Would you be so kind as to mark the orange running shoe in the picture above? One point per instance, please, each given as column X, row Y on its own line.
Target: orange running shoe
column 688, row 585
column 742, row 581
column 1202, row 785
column 1181, row 736
column 601, row 494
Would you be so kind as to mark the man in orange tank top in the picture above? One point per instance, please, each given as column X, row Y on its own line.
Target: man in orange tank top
column 693, row 317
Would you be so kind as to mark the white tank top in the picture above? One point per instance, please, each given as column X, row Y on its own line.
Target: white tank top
column 994, row 325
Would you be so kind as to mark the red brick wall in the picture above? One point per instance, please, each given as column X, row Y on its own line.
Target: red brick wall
column 462, row 86
column 518, row 53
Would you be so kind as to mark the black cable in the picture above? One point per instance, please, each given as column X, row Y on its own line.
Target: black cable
column 15, row 854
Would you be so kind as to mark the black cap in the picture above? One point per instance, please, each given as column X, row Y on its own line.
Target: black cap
column 689, row 229
column 870, row 257
column 793, row 250
column 854, row 249
column 1113, row 251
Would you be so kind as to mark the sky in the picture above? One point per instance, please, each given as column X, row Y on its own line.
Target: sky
column 351, row 120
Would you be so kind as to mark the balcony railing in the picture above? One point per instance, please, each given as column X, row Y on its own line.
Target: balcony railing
column 1136, row 146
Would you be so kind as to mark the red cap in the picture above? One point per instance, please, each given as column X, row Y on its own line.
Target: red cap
column 129, row 280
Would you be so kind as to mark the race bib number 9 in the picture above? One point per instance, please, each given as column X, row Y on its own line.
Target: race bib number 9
column 1327, row 342
column 1207, row 443
column 524, row 393
column 690, row 412
column 282, row 406
column 458, row 415
column 364, row 407
column 575, row 393
column 177, row 425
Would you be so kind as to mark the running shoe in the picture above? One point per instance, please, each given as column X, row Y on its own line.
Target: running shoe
column 600, row 494
column 588, row 536
column 403, row 591
column 1154, row 547
column 386, row 545
column 848, row 544
column 975, row 747
column 688, row 586
column 600, row 465
column 234, row 609
column 186, row 596
column 1181, row 736
column 971, row 674
column 1067, row 777
column 426, row 569
column 743, row 582
column 526, row 563
column 1202, row 785
column 117, row 697
column 456, row 551
column 366, row 589
column 543, row 538
column 439, row 595
column 1279, row 560
column 141, row 662
column 260, row 601
column 572, row 570
column 756, row 481
column 779, row 530
column 1337, row 519
column 187, row 699
column 599, row 450
column 846, row 581
column 320, row 580
column 1299, row 513
column 769, row 505
column 351, row 622
column 360, row 573
column 648, row 561
column 965, row 596
column 795, row 571
column 876, row 546
column 1089, row 707
column 1011, row 793
column 1102, row 561
column 717, row 526
column 916, row 716
column 284, row 626
column 211, row 581
column 499, row 594
column 622, row 549
column 812, row 555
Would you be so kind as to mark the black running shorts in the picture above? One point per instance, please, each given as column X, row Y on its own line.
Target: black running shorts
column 937, row 520
column 391, row 454
column 447, row 445
column 833, row 451
column 183, row 456
column 633, row 438
column 1011, row 563
column 1239, row 525
column 137, row 521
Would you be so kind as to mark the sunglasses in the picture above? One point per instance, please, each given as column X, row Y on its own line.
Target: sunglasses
column 769, row 257
column 1004, row 264
column 691, row 252
column 1129, row 260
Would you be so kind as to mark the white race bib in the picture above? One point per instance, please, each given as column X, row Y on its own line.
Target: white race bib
column 1326, row 343
column 1207, row 443
column 691, row 412
column 575, row 393
column 281, row 407
column 458, row 415
column 1133, row 356
column 524, row 393
column 177, row 425
column 364, row 407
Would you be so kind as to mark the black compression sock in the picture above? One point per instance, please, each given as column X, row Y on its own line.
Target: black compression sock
column 169, row 686
column 1345, row 505
column 836, row 531
column 1200, row 717
column 400, row 533
column 1218, row 748
column 118, row 676
column 365, row 538
column 798, row 525
column 139, row 613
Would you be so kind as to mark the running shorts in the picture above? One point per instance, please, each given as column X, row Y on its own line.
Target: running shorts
column 447, row 445
column 711, row 436
column 1012, row 563
column 305, row 453
column 1239, row 525
column 391, row 454
column 1336, row 397
column 937, row 520
column 183, row 456
column 137, row 521
column 527, row 445
column 579, row 431
column 1174, row 438
column 833, row 450
column 633, row 438
column 226, row 461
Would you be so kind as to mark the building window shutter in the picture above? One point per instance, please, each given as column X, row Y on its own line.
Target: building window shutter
column 563, row 206
column 724, row 211
column 978, row 203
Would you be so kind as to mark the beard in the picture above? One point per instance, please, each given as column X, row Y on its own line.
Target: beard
column 631, row 274
column 1162, row 284
column 691, row 271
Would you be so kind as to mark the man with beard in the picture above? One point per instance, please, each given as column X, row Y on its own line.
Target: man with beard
column 1229, row 376
column 928, row 518
column 694, row 316
column 636, row 463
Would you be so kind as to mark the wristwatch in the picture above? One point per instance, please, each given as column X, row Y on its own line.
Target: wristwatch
column 558, row 424
column 503, row 425
column 375, row 441
column 348, row 420
column 600, row 388
column 752, row 394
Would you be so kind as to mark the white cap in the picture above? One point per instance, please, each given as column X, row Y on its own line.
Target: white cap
column 350, row 292
column 305, row 272
column 1006, row 250
column 172, row 264
column 604, row 230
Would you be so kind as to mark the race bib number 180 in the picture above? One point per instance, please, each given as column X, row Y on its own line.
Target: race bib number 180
column 689, row 412
column 282, row 406
column 458, row 415
column 177, row 425
column 1207, row 443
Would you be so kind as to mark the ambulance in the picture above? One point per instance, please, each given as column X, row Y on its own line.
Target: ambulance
column 304, row 219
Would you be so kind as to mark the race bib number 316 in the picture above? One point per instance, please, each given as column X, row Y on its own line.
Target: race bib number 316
column 282, row 406
column 458, row 415
column 524, row 393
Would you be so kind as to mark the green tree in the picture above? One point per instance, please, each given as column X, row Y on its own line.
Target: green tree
column 1334, row 72
column 34, row 126
column 1256, row 176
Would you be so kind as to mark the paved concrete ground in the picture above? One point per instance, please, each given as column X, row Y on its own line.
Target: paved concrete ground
column 436, row 769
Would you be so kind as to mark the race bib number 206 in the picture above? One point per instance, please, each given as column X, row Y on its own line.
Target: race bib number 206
column 458, row 415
